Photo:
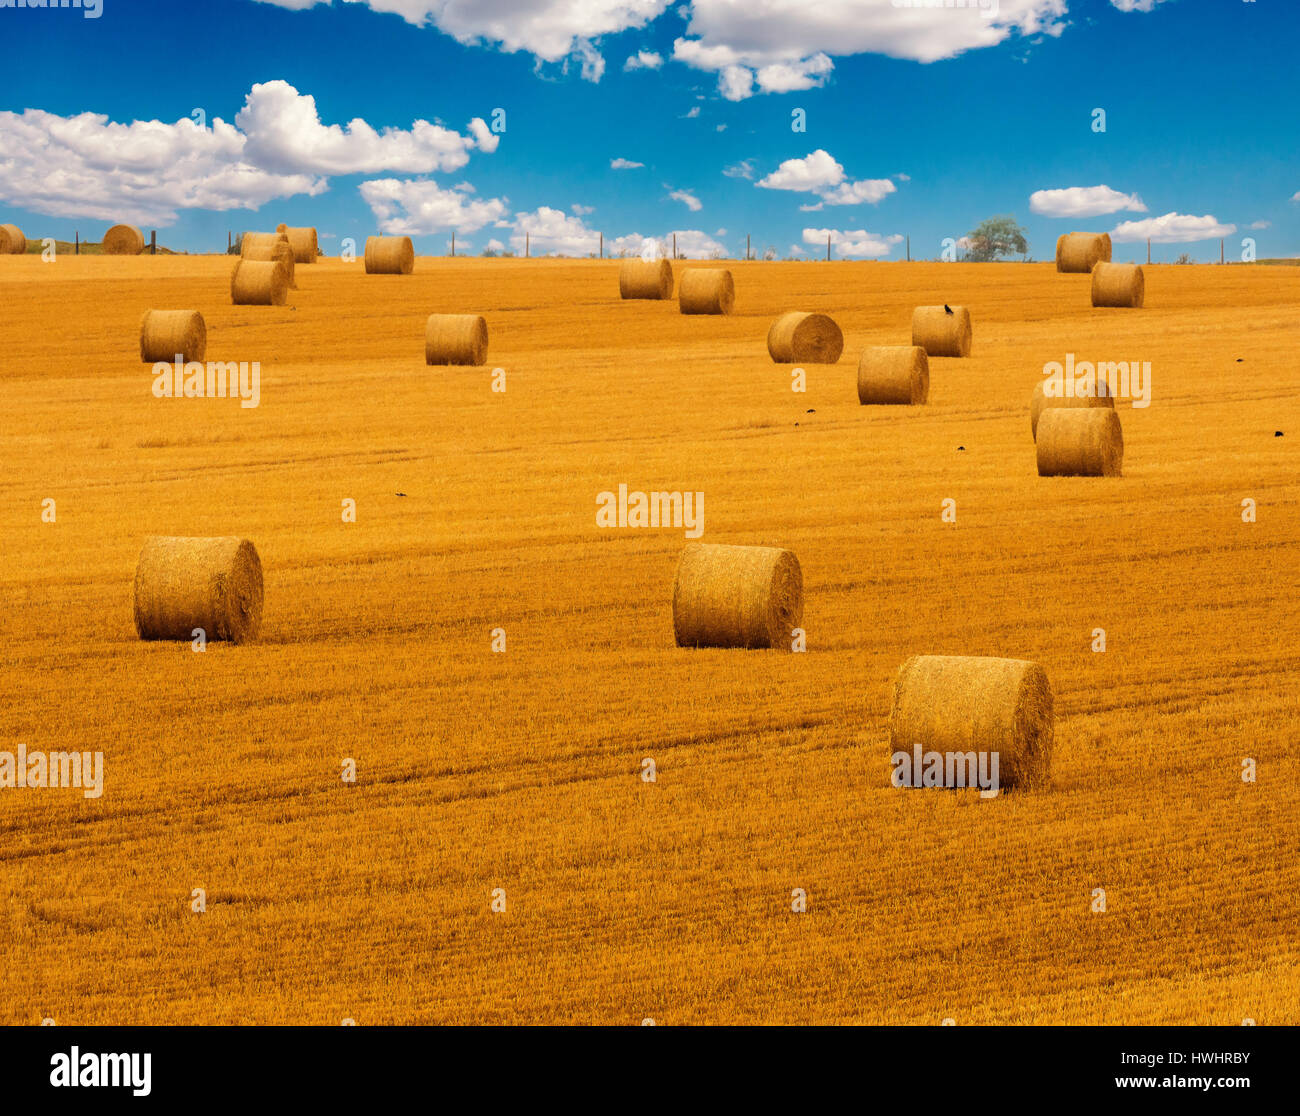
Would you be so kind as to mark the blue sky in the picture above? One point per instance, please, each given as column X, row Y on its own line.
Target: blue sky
column 918, row 122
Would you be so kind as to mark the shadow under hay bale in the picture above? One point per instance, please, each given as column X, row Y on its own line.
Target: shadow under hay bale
column 389, row 255
column 736, row 596
column 893, row 374
column 940, row 333
column 651, row 279
column 958, row 703
column 165, row 334
column 1080, row 443
column 706, row 290
column 209, row 583
column 802, row 338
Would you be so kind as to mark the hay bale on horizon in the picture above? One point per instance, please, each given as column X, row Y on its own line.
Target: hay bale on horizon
column 209, row 583
column 1080, row 442
column 940, row 333
column 389, row 255
column 12, row 241
column 803, row 338
column 166, row 334
column 1040, row 401
column 1078, row 253
column 1119, row 285
column 302, row 239
column 965, row 703
column 122, row 240
column 258, row 283
column 269, row 246
column 893, row 374
column 645, row 279
column 455, row 339
column 736, row 596
column 706, row 290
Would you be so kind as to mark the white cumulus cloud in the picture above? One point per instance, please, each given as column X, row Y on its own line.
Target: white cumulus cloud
column 552, row 231
column 624, row 164
column 1172, row 228
column 644, row 60
column 853, row 243
column 819, row 173
column 414, row 207
column 1083, row 201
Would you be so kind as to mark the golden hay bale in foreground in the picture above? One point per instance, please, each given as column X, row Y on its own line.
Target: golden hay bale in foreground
column 960, row 703
column 303, row 241
column 122, row 240
column 1041, row 401
column 166, row 334
column 455, row 339
column 645, row 279
column 12, row 241
column 258, row 283
column 736, row 596
column 389, row 255
column 1080, row 252
column 187, row 583
column 1076, row 442
column 1121, row 285
column 706, row 290
column 893, row 374
column 270, row 246
column 941, row 333
column 802, row 338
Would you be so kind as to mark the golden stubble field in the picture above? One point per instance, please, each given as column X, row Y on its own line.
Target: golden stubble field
column 521, row 771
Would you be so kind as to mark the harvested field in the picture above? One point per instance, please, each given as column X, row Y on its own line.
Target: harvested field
column 476, row 770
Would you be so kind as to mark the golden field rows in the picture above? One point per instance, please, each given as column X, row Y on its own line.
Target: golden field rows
column 521, row 771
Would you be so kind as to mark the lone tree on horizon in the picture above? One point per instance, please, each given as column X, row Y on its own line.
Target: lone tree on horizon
column 995, row 238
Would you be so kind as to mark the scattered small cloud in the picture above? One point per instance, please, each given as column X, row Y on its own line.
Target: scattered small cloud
column 819, row 173
column 692, row 114
column 687, row 199
column 624, row 164
column 582, row 210
column 1260, row 225
column 644, row 60
column 743, row 169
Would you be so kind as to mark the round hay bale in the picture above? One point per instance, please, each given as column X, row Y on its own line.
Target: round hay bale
column 801, row 338
column 1118, row 285
column 122, row 240
column 187, row 583
column 258, row 283
column 270, row 246
column 455, row 339
column 960, row 703
column 940, row 333
column 706, row 290
column 12, row 241
column 1080, row 442
column 303, row 242
column 645, row 279
column 1041, row 401
column 167, row 334
column 389, row 255
column 893, row 374
column 1079, row 252
column 736, row 596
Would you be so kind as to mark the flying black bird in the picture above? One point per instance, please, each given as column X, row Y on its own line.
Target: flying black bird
column 947, row 309
column 399, row 493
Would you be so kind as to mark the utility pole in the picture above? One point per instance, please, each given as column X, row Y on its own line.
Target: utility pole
column 453, row 243
column 674, row 245
column 828, row 246
column 1148, row 250
column 77, row 249
column 228, row 242
column 1220, row 250
column 153, row 242
column 527, row 245
column 748, row 253
column 602, row 246
column 909, row 249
